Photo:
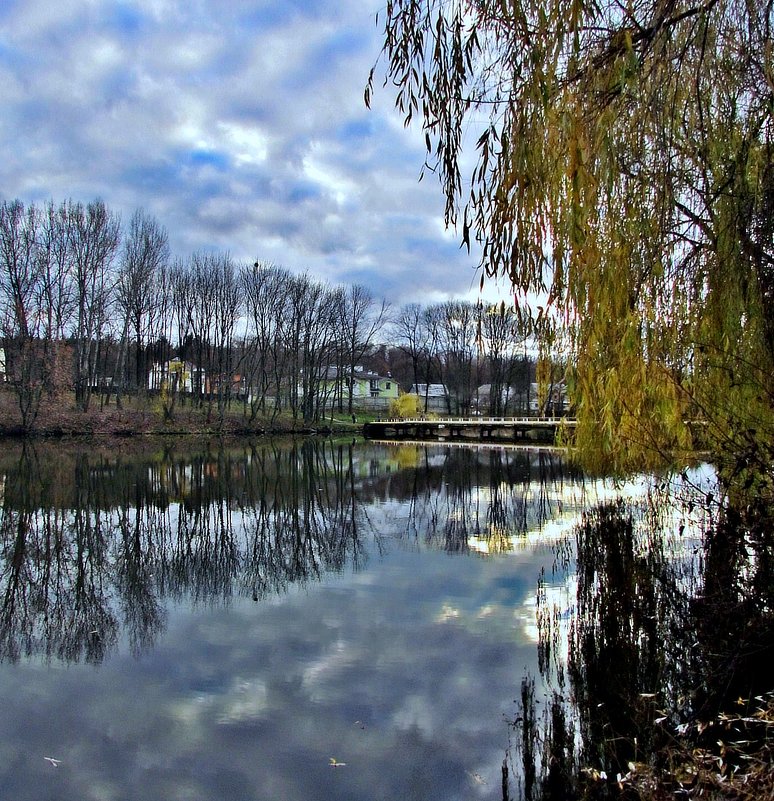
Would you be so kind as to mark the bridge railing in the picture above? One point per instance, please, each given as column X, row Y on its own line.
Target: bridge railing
column 446, row 421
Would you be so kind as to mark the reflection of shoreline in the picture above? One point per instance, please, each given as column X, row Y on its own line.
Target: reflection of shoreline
column 102, row 548
column 494, row 446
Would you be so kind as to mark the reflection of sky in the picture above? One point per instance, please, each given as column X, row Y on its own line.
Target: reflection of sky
column 405, row 671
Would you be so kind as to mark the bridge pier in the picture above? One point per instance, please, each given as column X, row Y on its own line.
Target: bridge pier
column 501, row 429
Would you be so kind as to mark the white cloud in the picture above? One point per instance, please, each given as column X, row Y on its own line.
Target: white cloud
column 240, row 125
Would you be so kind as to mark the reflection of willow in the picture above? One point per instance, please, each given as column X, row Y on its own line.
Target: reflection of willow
column 491, row 495
column 660, row 645
column 72, row 577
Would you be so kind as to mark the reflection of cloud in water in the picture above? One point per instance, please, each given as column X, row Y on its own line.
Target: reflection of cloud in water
column 328, row 666
column 415, row 712
column 245, row 700
column 679, row 532
column 561, row 599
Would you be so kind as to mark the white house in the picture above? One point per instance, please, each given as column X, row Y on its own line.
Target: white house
column 432, row 397
column 554, row 401
column 174, row 369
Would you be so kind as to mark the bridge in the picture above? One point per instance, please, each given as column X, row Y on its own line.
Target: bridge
column 474, row 429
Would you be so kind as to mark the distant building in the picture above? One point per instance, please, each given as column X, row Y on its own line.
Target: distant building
column 177, row 374
column 433, row 398
column 369, row 390
column 553, row 403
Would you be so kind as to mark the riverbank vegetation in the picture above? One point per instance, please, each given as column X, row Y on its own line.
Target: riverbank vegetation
column 92, row 312
column 137, row 416
column 624, row 184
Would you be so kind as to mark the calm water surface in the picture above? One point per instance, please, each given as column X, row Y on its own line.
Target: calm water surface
column 276, row 621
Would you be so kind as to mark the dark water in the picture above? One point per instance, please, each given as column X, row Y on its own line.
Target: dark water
column 327, row 621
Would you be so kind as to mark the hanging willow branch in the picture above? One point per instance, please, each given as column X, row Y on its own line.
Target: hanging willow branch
column 623, row 173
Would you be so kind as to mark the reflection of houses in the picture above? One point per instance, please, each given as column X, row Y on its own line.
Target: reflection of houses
column 432, row 397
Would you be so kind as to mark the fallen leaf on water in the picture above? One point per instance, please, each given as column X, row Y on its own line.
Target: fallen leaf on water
column 336, row 764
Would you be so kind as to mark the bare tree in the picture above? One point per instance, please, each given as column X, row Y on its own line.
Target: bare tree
column 139, row 297
column 227, row 306
column 94, row 239
column 310, row 328
column 264, row 286
column 207, row 301
column 502, row 337
column 457, row 327
column 362, row 320
column 19, row 292
column 57, row 294
column 412, row 336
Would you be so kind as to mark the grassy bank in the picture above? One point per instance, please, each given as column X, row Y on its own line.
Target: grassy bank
column 58, row 416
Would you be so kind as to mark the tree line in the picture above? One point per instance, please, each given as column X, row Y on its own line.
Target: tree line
column 92, row 306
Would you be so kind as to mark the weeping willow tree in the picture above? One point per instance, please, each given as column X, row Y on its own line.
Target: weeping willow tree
column 623, row 175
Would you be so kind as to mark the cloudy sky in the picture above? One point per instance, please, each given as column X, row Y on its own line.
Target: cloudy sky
column 239, row 124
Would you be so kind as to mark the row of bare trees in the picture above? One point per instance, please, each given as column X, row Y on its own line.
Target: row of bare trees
column 55, row 264
column 90, row 305
column 84, row 304
column 463, row 345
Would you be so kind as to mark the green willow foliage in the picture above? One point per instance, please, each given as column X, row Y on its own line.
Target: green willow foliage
column 625, row 176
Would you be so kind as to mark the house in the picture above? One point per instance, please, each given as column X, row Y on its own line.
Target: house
column 483, row 402
column 176, row 373
column 551, row 402
column 433, row 398
column 372, row 385
column 369, row 390
column 513, row 400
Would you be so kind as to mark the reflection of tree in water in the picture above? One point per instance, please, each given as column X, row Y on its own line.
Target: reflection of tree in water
column 491, row 495
column 666, row 657
column 305, row 520
column 93, row 544
column 53, row 598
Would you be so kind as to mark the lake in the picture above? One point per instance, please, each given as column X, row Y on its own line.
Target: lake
column 320, row 619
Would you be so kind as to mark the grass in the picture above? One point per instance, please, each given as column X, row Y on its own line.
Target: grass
column 59, row 416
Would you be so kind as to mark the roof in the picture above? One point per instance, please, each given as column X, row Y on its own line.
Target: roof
column 429, row 390
column 332, row 373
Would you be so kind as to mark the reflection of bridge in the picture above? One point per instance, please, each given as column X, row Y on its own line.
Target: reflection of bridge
column 498, row 429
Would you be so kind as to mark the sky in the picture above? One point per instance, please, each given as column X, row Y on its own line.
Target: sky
column 239, row 125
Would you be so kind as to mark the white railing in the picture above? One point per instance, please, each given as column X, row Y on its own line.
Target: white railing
column 453, row 421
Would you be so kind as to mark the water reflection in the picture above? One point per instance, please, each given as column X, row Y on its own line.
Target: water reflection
column 373, row 604
column 95, row 542
column 662, row 683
